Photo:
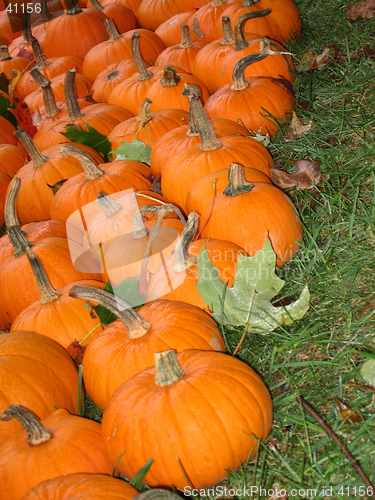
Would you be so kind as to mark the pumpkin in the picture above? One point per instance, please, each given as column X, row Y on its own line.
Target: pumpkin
column 278, row 66
column 36, row 373
column 187, row 5
column 170, row 30
column 187, row 166
column 133, row 5
column 49, row 446
column 110, row 77
column 147, row 127
column 10, row 26
column 8, row 63
column 12, row 158
column 152, row 13
column 207, row 17
column 269, row 209
column 4, row 183
column 188, row 135
column 82, row 487
column 83, row 189
column 261, row 104
column 183, row 54
column 187, row 392
column 127, row 346
column 283, row 23
column 56, row 315
column 7, row 130
column 61, row 36
column 123, row 17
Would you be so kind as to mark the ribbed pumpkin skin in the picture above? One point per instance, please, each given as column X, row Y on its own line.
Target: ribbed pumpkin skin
column 152, row 13
column 4, row 183
column 170, row 30
column 181, row 57
column 75, row 447
column 211, row 414
column 186, row 167
column 6, row 132
column 82, row 487
column 18, row 288
column 64, row 320
column 246, row 219
column 61, row 36
column 178, row 139
column 207, row 17
column 222, row 254
column 113, row 358
column 36, row 373
column 250, row 104
column 12, row 158
column 283, row 22
column 186, row 5
column 112, row 76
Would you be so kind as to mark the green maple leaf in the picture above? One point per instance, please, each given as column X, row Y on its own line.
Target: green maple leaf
column 91, row 138
column 248, row 302
column 5, row 112
column 136, row 150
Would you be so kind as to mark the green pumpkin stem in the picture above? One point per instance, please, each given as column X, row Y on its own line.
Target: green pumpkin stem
column 228, row 37
column 71, row 100
column 46, row 290
column 36, row 433
column 144, row 73
column 48, row 97
column 239, row 81
column 108, row 204
column 32, row 149
column 168, row 369
column 170, row 78
column 209, row 141
column 10, row 212
column 89, row 165
column 237, row 184
column 239, row 27
column 112, row 31
column 136, row 326
column 39, row 55
column 185, row 37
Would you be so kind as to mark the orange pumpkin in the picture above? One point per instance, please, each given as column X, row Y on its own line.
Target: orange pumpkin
column 123, row 17
column 7, row 130
column 170, row 30
column 7, row 63
column 12, row 158
column 110, row 77
column 190, row 390
column 152, row 13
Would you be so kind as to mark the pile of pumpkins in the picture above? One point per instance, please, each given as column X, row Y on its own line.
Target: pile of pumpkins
column 171, row 74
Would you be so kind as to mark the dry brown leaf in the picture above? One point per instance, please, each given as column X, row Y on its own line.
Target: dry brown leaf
column 364, row 9
column 296, row 128
column 306, row 175
column 347, row 414
column 312, row 61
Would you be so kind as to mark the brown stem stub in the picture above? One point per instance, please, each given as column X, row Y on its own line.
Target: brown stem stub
column 185, row 37
column 170, row 78
column 197, row 29
column 32, row 149
column 46, row 290
column 237, row 184
column 39, row 55
column 26, row 28
column 48, row 97
column 71, row 100
column 95, row 4
column 88, row 163
column 168, row 369
column 144, row 114
column 112, row 31
column 10, row 212
column 36, row 433
column 4, row 53
column 144, row 73
column 228, row 37
column 108, row 204
column 183, row 260
column 73, row 8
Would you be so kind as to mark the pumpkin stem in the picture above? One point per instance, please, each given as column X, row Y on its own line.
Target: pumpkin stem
column 168, row 369
column 36, row 433
column 111, row 29
column 144, row 73
column 39, row 55
column 107, row 203
column 32, row 149
column 95, row 4
column 217, row 3
column 46, row 15
column 209, row 141
column 197, row 29
column 48, row 97
column 239, row 81
column 183, row 260
column 71, row 100
column 26, row 29
column 144, row 114
column 195, row 94
column 73, row 8
column 10, row 213
column 136, row 326
column 239, row 27
column 46, row 290
column 89, row 165
column 237, row 184
column 4, row 51
column 249, row 3
column 228, row 37
column 170, row 78
column 185, row 37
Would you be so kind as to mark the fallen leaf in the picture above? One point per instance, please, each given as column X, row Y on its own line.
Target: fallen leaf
column 314, row 61
column 347, row 414
column 368, row 51
column 296, row 128
column 364, row 9
column 306, row 175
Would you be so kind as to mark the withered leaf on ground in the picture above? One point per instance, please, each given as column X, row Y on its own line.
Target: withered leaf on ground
column 347, row 414
column 364, row 9
column 314, row 61
column 296, row 128
column 306, row 175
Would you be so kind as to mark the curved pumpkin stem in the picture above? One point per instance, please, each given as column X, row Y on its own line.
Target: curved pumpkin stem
column 36, row 433
column 136, row 326
column 39, row 55
column 183, row 260
column 89, row 165
column 32, row 149
column 144, row 114
column 71, row 100
column 112, row 31
column 10, row 212
column 168, row 369
column 239, row 81
column 144, row 73
column 48, row 97
column 209, row 141
column 237, row 184
column 239, row 36
column 228, row 37
column 46, row 290
column 185, row 37
column 170, row 78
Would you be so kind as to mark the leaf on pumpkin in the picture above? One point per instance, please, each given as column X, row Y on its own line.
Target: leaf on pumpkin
column 306, row 175
column 136, row 150
column 76, row 352
column 91, row 138
column 5, row 111
column 248, row 302
column 364, row 9
column 106, row 317
column 22, row 114
column 129, row 291
column 16, row 75
column 296, row 128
